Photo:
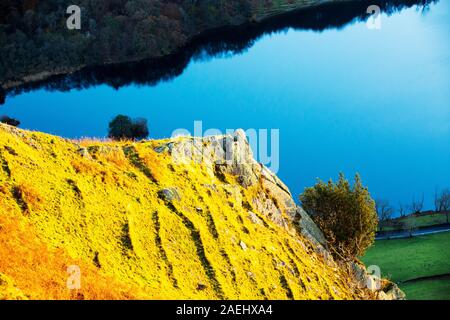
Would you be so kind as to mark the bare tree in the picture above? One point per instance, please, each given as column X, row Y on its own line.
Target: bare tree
column 446, row 202
column 384, row 211
column 436, row 200
column 417, row 205
column 401, row 209
column 442, row 202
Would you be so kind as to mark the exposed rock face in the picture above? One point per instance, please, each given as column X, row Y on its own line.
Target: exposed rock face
column 383, row 289
column 231, row 155
column 392, row 292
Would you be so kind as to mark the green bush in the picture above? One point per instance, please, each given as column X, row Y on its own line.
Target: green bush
column 346, row 214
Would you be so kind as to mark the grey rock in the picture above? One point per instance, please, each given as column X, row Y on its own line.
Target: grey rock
column 308, row 228
column 364, row 280
column 164, row 147
column 169, row 194
column 360, row 274
column 265, row 204
column 84, row 153
column 393, row 292
column 381, row 295
column 160, row 149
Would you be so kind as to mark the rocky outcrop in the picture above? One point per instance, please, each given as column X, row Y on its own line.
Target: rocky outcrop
column 383, row 289
column 391, row 292
column 231, row 156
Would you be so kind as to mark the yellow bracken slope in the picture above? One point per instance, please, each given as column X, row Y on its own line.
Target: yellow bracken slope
column 141, row 225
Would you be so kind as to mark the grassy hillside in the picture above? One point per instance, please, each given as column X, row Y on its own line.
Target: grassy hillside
column 407, row 259
column 141, row 225
column 424, row 220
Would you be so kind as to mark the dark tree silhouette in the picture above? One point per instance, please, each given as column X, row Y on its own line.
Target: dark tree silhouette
column 146, row 41
column 2, row 96
column 140, row 128
column 123, row 127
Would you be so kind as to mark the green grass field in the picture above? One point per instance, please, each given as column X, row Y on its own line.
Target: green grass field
column 406, row 259
column 428, row 290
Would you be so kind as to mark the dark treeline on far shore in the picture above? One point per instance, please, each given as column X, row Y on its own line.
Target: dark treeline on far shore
column 144, row 41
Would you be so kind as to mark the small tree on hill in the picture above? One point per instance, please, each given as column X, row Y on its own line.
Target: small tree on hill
column 123, row 127
column 346, row 214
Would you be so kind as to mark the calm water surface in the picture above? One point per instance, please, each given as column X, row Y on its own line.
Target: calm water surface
column 352, row 100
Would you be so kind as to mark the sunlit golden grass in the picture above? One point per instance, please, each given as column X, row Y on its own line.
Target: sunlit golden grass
column 27, row 196
column 41, row 272
column 100, row 209
column 85, row 166
column 117, row 157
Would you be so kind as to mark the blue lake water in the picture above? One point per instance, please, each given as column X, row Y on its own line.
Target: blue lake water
column 351, row 100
